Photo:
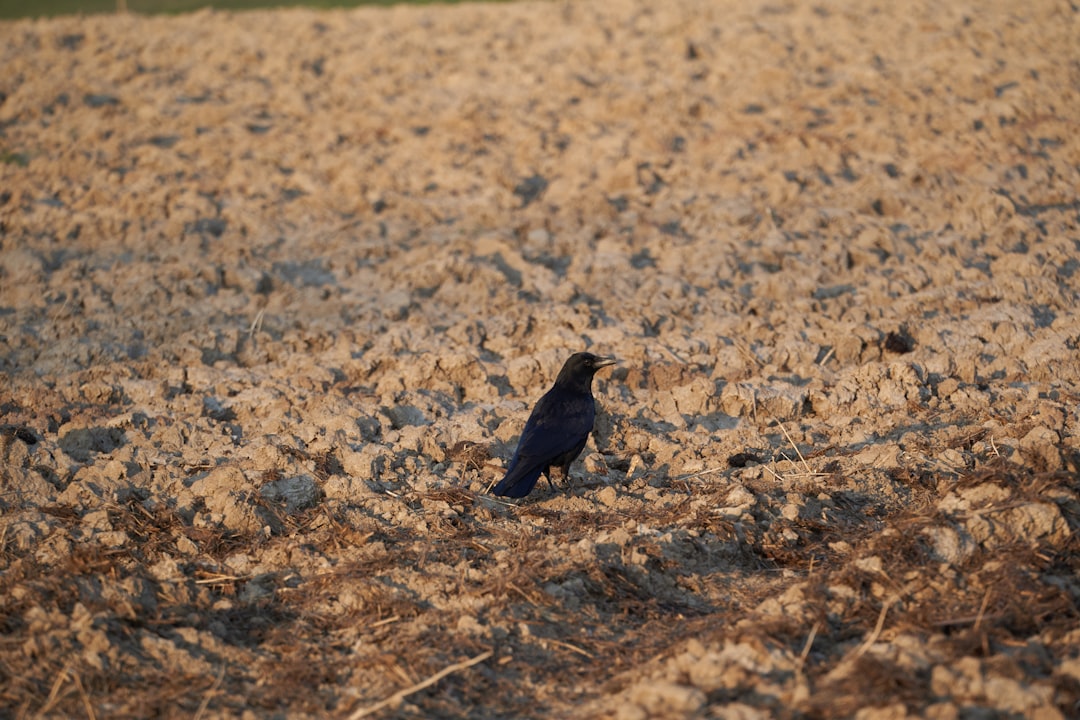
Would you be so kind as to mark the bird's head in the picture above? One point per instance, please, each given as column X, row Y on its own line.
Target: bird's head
column 579, row 368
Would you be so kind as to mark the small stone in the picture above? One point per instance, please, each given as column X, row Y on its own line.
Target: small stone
column 595, row 464
column 607, row 496
column 296, row 493
column 949, row 544
column 661, row 697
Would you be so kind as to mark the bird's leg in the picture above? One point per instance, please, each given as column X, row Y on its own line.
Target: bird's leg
column 563, row 472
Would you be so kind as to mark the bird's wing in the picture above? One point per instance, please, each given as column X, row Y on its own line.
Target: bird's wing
column 558, row 424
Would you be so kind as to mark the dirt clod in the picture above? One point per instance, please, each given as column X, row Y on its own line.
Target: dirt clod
column 278, row 289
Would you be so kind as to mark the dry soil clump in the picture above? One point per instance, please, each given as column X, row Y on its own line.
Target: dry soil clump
column 277, row 290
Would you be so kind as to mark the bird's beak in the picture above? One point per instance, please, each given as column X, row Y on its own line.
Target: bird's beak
column 605, row 361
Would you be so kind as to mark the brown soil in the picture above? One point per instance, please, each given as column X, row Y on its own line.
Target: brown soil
column 263, row 274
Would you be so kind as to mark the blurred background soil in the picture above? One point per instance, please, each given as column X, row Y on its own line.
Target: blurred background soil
column 278, row 289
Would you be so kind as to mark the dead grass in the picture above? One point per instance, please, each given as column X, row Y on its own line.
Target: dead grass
column 296, row 647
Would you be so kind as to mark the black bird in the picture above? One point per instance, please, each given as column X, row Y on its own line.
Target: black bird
column 557, row 429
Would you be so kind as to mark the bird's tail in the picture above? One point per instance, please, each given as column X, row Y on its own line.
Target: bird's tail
column 518, row 482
